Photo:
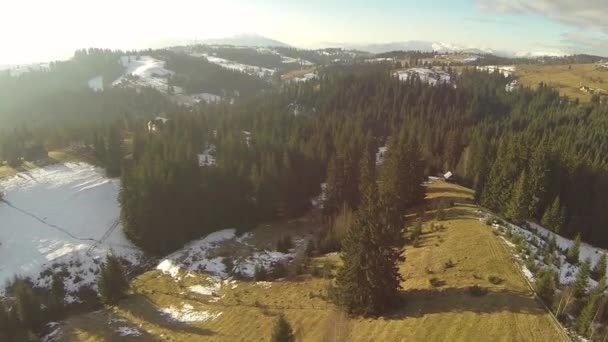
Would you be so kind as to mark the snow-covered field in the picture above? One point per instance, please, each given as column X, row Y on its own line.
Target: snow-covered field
column 199, row 256
column 506, row 70
column 146, row 72
column 536, row 238
column 300, row 61
column 430, row 76
column 228, row 64
column 60, row 217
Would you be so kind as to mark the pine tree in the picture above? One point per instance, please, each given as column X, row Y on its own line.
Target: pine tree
column 545, row 286
column 582, row 279
column 599, row 271
column 554, row 216
column 552, row 247
column 282, row 332
column 114, row 153
column 99, row 148
column 519, row 205
column 369, row 280
column 334, row 191
column 585, row 318
column 27, row 306
column 57, row 294
column 537, row 180
column 573, row 252
column 112, row 281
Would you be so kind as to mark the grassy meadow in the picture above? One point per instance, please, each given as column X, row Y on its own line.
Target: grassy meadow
column 459, row 253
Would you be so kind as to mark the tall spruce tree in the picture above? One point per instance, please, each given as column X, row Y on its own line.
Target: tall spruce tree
column 573, row 252
column 599, row 270
column 554, row 217
column 582, row 279
column 282, row 332
column 56, row 302
column 27, row 306
column 112, row 281
column 589, row 311
column 518, row 208
column 114, row 152
column 369, row 281
column 537, row 180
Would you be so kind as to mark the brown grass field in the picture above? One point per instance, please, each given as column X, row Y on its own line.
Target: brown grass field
column 566, row 78
column 463, row 253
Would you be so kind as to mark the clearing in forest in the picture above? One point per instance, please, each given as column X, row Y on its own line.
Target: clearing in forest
column 461, row 284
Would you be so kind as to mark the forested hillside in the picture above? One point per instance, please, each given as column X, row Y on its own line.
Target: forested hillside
column 529, row 154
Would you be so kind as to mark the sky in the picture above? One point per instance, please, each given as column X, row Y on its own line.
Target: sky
column 43, row 30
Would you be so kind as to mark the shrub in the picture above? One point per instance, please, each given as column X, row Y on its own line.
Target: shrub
column 495, row 280
column 259, row 273
column 229, row 265
column 282, row 332
column 279, row 270
column 545, row 286
column 449, row 264
column 284, row 244
column 436, row 282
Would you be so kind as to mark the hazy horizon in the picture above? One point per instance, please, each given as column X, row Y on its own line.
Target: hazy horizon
column 56, row 29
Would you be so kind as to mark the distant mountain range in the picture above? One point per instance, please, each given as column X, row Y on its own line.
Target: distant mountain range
column 415, row 45
column 246, row 40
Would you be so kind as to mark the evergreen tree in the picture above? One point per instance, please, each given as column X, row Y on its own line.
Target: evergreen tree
column 554, row 216
column 552, row 246
column 582, row 279
column 99, row 148
column 589, row 311
column 518, row 208
column 112, row 281
column 27, row 306
column 114, row 153
column 599, row 271
column 282, row 332
column 334, row 190
column 573, row 252
column 58, row 293
column 537, row 180
column 368, row 282
column 545, row 286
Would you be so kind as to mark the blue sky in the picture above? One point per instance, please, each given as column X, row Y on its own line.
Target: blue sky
column 56, row 28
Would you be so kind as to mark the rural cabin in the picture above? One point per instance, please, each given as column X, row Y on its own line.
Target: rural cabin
column 449, row 177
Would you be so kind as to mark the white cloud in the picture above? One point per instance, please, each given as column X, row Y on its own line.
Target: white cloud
column 590, row 14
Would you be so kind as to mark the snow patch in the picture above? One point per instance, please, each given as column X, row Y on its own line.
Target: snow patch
column 128, row 331
column 96, row 83
column 207, row 158
column 187, row 314
column 245, row 68
column 145, row 71
column 506, row 70
column 429, row 76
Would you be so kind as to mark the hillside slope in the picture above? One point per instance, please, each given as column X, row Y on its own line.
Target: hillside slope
column 464, row 253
